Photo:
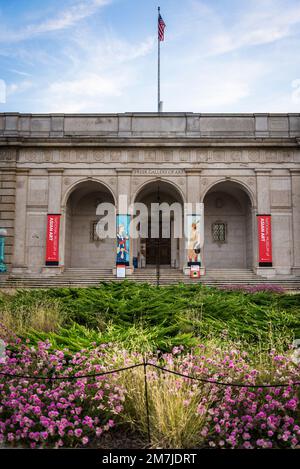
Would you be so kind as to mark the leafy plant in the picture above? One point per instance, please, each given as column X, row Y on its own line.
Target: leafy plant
column 145, row 317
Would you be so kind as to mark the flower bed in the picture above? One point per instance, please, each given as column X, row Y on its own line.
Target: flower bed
column 184, row 412
column 60, row 412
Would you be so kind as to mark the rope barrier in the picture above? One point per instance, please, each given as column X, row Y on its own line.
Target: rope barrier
column 145, row 364
column 222, row 383
column 54, row 378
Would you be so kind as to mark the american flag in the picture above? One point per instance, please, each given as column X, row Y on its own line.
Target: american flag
column 161, row 28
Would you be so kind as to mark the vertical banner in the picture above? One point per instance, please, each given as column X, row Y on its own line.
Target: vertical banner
column 194, row 237
column 264, row 240
column 123, row 244
column 3, row 267
column 52, row 240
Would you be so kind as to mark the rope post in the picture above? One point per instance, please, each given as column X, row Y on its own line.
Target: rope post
column 147, row 400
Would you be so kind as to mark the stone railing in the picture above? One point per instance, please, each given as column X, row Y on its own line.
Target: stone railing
column 149, row 125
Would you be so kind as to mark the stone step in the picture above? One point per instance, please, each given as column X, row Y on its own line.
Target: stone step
column 203, row 278
column 64, row 282
column 91, row 277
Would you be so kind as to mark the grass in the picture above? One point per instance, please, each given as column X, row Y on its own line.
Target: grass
column 43, row 315
column 174, row 421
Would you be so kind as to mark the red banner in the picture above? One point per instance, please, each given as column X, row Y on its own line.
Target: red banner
column 264, row 239
column 52, row 241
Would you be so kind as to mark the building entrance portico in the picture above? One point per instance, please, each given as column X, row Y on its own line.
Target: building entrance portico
column 161, row 244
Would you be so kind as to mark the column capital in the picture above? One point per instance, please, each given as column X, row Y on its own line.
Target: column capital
column 123, row 171
column 8, row 170
column 22, row 171
column 263, row 171
column 193, row 171
column 54, row 171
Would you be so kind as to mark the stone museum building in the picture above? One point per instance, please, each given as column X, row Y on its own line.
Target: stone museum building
column 243, row 168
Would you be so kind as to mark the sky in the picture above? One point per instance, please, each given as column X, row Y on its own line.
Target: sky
column 100, row 56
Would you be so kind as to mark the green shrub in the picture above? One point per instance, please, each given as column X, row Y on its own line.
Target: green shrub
column 144, row 316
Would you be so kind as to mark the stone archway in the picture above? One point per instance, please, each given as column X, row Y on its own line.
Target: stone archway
column 228, row 227
column 82, row 247
column 168, row 251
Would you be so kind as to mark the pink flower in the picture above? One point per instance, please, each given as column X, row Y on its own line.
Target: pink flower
column 247, row 445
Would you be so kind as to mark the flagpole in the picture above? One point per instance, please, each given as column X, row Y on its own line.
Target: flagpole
column 158, row 67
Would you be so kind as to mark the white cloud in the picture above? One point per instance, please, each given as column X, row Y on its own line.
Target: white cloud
column 20, row 72
column 213, row 87
column 106, row 52
column 101, row 73
column 2, row 92
column 296, row 91
column 258, row 22
column 20, row 87
column 65, row 19
column 89, row 85
column 265, row 24
column 279, row 102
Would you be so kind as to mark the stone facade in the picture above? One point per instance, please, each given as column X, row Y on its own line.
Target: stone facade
column 238, row 165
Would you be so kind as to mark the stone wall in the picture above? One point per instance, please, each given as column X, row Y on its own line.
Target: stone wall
column 85, row 252
column 44, row 158
column 188, row 125
column 233, row 213
column 7, row 198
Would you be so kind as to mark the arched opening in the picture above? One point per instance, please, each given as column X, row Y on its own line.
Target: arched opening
column 83, row 248
column 228, row 229
column 162, row 247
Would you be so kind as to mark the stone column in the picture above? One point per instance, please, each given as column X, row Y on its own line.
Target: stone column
column 7, row 209
column 193, row 185
column 54, row 207
column 263, row 191
column 123, row 191
column 55, row 189
column 263, row 207
column 193, row 197
column 295, row 179
column 19, row 263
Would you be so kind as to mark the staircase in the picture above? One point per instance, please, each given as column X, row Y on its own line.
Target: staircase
column 83, row 277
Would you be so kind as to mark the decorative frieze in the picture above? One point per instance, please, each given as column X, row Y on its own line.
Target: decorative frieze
column 195, row 156
column 7, row 155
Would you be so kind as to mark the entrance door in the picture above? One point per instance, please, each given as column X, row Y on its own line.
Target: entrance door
column 152, row 246
column 164, row 251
